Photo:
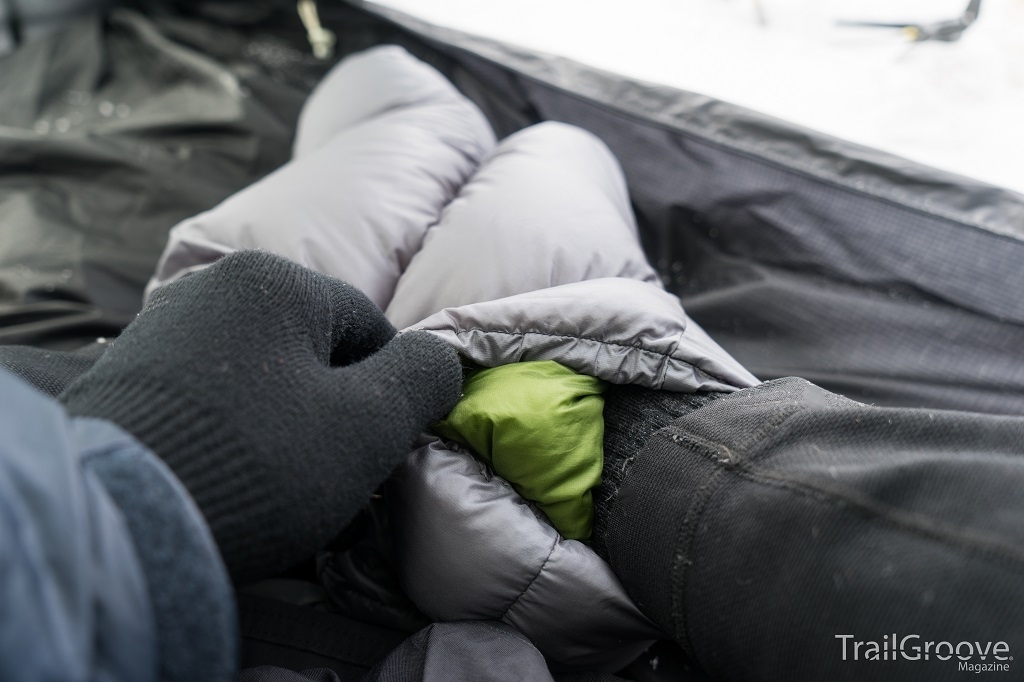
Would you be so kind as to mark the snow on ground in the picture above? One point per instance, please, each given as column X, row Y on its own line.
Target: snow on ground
column 957, row 106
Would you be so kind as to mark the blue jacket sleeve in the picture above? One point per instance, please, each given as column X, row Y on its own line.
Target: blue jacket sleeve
column 107, row 570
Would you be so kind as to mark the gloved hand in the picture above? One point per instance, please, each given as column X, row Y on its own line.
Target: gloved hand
column 50, row 371
column 269, row 391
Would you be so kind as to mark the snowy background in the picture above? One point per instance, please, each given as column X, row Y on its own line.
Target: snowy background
column 957, row 106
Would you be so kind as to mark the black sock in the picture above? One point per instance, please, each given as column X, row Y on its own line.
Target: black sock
column 631, row 415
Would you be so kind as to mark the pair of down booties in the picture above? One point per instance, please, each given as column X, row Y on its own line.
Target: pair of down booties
column 518, row 251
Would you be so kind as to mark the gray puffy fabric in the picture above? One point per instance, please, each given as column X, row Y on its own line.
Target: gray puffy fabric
column 524, row 250
column 548, row 207
column 468, row 547
column 386, row 145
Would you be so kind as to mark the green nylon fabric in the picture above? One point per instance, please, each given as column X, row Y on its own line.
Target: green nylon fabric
column 540, row 425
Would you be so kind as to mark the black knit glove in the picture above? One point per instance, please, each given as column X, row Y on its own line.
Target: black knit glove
column 50, row 371
column 225, row 375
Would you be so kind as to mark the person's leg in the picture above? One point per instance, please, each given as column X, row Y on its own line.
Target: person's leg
column 771, row 530
column 396, row 143
column 548, row 207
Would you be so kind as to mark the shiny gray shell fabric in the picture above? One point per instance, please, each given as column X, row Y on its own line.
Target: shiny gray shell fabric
column 619, row 330
column 468, row 547
column 522, row 250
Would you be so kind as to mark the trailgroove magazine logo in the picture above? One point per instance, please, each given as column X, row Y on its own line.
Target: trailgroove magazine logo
column 975, row 657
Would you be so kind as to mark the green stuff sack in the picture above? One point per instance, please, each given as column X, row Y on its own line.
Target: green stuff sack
column 540, row 426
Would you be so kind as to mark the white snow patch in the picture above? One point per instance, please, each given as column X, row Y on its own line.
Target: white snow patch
column 956, row 106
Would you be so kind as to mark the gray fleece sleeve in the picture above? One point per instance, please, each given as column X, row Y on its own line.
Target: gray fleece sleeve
column 107, row 570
